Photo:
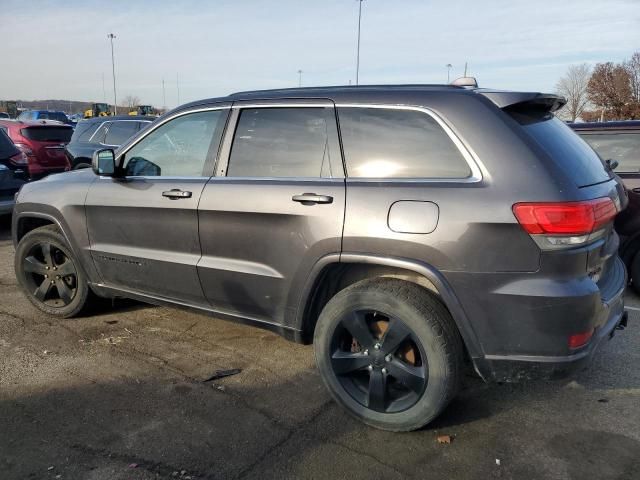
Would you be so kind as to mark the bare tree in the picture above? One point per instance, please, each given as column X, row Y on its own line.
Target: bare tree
column 609, row 90
column 633, row 68
column 131, row 101
column 573, row 87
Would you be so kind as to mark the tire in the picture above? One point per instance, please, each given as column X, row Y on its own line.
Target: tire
column 432, row 351
column 62, row 295
column 634, row 271
column 80, row 165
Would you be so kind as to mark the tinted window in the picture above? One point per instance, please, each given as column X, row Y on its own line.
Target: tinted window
column 566, row 148
column 282, row 142
column 119, row 132
column 7, row 148
column 83, row 131
column 48, row 134
column 58, row 116
column 623, row 147
column 99, row 134
column 389, row 143
column 177, row 148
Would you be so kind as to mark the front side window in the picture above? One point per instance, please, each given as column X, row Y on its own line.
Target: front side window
column 623, row 147
column 283, row 142
column 119, row 132
column 178, row 148
column 398, row 143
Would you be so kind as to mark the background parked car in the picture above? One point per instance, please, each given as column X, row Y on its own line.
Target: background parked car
column 12, row 176
column 4, row 115
column 100, row 132
column 28, row 115
column 620, row 142
column 43, row 144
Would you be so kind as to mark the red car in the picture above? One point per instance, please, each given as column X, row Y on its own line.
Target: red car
column 42, row 142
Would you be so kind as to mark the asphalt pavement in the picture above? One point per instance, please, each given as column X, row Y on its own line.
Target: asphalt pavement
column 123, row 394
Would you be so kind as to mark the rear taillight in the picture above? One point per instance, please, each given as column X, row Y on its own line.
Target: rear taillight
column 565, row 224
column 26, row 150
column 580, row 339
column 19, row 159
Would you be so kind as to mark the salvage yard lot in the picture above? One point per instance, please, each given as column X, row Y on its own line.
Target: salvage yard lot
column 121, row 395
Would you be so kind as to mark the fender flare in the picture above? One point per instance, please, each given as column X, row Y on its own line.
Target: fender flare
column 432, row 274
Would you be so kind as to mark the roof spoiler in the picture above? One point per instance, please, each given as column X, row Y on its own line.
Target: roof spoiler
column 525, row 101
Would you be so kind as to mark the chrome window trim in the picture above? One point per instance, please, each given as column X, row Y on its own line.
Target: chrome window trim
column 322, row 104
column 472, row 161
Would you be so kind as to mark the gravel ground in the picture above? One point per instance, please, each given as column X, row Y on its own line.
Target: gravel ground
column 121, row 395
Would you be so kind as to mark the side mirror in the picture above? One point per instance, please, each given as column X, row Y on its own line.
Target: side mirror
column 104, row 162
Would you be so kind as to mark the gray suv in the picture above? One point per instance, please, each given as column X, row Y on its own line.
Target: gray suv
column 406, row 231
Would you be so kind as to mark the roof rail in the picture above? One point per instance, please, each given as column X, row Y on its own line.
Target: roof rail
column 465, row 82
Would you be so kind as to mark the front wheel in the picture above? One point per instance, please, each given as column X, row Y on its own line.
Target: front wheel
column 49, row 273
column 389, row 352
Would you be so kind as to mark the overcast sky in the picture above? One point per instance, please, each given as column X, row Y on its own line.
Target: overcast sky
column 59, row 49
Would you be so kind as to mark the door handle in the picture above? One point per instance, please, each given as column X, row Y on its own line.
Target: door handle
column 312, row 198
column 176, row 194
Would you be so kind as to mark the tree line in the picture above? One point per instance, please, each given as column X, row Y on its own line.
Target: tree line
column 608, row 91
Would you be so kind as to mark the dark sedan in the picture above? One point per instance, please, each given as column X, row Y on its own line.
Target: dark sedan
column 11, row 178
column 101, row 132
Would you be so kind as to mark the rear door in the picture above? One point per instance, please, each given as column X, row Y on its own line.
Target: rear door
column 143, row 228
column 274, row 208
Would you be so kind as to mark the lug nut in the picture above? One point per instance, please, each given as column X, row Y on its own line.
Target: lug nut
column 52, row 282
column 55, row 268
column 384, row 371
column 46, row 276
column 377, row 346
column 388, row 358
column 366, row 352
column 370, row 367
column 57, row 276
column 46, row 268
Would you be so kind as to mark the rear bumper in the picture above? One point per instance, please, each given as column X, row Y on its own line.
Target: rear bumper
column 524, row 325
column 514, row 368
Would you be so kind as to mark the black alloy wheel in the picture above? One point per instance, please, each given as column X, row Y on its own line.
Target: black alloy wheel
column 379, row 361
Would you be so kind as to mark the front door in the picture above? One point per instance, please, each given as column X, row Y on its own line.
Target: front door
column 274, row 208
column 143, row 228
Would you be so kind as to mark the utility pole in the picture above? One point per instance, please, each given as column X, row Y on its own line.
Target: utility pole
column 178, row 87
column 164, row 98
column 111, row 36
column 448, row 65
column 465, row 69
column 104, row 91
column 299, row 78
column 358, row 50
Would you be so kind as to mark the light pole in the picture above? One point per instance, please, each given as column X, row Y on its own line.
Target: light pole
column 111, row 36
column 164, row 98
column 448, row 65
column 358, row 50
column 299, row 78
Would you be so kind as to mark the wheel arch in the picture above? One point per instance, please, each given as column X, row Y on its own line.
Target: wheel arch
column 333, row 273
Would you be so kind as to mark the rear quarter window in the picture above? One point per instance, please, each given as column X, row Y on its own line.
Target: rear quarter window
column 398, row 143
column 570, row 152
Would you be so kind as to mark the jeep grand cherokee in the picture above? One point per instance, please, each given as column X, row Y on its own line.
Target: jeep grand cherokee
column 403, row 230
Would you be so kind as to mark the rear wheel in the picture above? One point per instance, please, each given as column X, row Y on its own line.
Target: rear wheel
column 389, row 353
column 49, row 273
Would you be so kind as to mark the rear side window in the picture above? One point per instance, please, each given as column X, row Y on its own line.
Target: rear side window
column 119, row 132
column 283, row 142
column 48, row 134
column 398, row 143
column 567, row 149
column 623, row 147
column 83, row 131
